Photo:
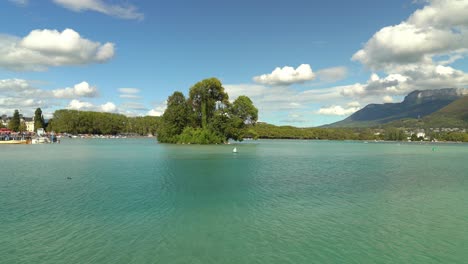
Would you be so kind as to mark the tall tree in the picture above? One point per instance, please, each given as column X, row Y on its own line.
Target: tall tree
column 38, row 119
column 245, row 110
column 15, row 122
column 175, row 118
column 205, row 97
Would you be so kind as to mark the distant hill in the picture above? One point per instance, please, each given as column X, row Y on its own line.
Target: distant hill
column 416, row 105
column 454, row 115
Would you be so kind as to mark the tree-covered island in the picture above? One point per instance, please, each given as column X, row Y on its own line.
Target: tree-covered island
column 207, row 116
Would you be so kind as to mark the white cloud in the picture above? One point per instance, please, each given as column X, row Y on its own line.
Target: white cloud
column 76, row 104
column 22, row 95
column 79, row 105
column 412, row 77
column 82, row 89
column 434, row 35
column 125, row 11
column 155, row 112
column 287, row 76
column 333, row 74
column 109, row 107
column 41, row 49
column 337, row 110
column 354, row 104
column 20, row 88
column 387, row 99
column 158, row 110
column 406, row 43
column 442, row 14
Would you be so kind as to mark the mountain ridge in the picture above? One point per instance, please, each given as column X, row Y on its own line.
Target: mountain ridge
column 416, row 105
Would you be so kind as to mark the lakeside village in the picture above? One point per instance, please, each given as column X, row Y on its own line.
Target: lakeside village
column 29, row 130
column 25, row 132
column 18, row 129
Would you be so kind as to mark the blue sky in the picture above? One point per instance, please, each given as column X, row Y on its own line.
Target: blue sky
column 304, row 63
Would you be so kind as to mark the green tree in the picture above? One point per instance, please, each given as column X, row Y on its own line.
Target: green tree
column 206, row 117
column 205, row 97
column 22, row 127
column 15, row 122
column 245, row 110
column 175, row 118
column 38, row 119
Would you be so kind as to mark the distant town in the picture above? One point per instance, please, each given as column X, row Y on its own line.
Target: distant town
column 26, row 122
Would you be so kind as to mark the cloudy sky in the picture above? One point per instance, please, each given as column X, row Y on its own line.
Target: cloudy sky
column 303, row 62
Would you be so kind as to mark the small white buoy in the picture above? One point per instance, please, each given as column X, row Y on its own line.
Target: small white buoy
column 234, row 150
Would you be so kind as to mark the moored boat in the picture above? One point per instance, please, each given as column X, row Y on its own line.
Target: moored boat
column 20, row 141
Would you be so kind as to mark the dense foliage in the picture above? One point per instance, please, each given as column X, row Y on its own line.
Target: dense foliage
column 207, row 116
column 268, row 131
column 87, row 122
column 38, row 119
column 15, row 122
column 289, row 132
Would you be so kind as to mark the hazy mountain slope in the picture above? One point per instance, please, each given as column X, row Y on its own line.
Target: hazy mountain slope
column 417, row 104
column 454, row 115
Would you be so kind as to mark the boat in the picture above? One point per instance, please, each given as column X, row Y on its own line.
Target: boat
column 43, row 138
column 234, row 150
column 14, row 141
column 40, row 140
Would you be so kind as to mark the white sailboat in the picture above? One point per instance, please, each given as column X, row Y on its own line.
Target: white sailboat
column 234, row 150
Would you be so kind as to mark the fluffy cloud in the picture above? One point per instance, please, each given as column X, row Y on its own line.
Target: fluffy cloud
column 390, row 46
column 109, row 107
column 287, row 76
column 21, row 89
column 79, row 105
column 158, row 110
column 441, row 13
column 440, row 29
column 41, row 49
column 416, row 53
column 413, row 77
column 82, row 89
column 125, row 11
column 24, row 96
column 87, row 106
column 387, row 99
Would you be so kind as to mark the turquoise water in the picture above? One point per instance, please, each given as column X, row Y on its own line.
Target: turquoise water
column 136, row 201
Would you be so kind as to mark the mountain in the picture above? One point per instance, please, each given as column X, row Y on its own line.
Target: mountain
column 417, row 104
column 454, row 115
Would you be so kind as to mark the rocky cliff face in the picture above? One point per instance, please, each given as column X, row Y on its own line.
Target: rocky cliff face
column 418, row 97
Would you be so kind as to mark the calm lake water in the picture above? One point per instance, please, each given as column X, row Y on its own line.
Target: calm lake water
column 137, row 201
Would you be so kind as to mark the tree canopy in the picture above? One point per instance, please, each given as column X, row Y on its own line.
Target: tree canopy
column 15, row 122
column 88, row 122
column 207, row 116
column 38, row 119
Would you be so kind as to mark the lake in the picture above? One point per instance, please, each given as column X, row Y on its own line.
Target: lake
column 275, row 201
